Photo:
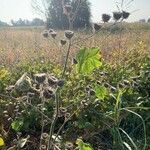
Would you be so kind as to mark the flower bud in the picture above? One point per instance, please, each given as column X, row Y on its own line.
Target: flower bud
column 106, row 17
column 69, row 34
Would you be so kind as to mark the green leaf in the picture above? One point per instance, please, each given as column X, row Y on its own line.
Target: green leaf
column 88, row 60
column 101, row 92
column 83, row 146
column 17, row 125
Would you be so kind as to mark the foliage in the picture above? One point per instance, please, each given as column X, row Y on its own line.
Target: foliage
column 57, row 18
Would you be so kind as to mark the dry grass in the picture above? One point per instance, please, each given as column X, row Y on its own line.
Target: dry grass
column 26, row 44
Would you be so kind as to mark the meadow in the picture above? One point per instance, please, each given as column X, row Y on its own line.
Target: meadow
column 77, row 90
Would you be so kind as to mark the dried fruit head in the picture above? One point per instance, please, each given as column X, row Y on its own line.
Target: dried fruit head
column 44, row 136
column 63, row 42
column 43, row 147
column 69, row 34
column 53, row 34
column 97, row 26
column 69, row 146
column 106, row 17
column 40, row 77
column 125, row 15
column 52, row 81
column 117, row 15
column 45, row 34
column 48, row 93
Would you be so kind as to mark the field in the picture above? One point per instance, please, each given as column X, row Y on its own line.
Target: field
column 89, row 91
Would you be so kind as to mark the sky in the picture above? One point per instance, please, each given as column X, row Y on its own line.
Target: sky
column 15, row 9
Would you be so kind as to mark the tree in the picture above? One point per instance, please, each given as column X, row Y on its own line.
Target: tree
column 148, row 20
column 3, row 24
column 64, row 14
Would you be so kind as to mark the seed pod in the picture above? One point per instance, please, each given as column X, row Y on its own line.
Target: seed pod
column 69, row 34
column 61, row 83
column 48, row 93
column 97, row 27
column 117, row 15
column 125, row 15
column 63, row 42
column 92, row 92
column 106, row 17
column 67, row 115
column 44, row 136
column 126, row 82
column 51, row 30
column 43, row 147
column 53, row 34
column 40, row 77
column 45, row 34
column 69, row 146
column 74, row 61
column 52, row 81
column 63, row 110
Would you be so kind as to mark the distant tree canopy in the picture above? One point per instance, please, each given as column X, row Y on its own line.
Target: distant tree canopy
column 148, row 20
column 3, row 24
column 34, row 22
column 78, row 16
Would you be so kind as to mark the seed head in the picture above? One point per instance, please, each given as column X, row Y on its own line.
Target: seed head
column 69, row 34
column 68, row 146
column 125, row 15
column 92, row 92
column 61, row 83
column 53, row 34
column 44, row 136
column 106, row 17
column 48, row 93
column 43, row 147
column 63, row 110
column 74, row 61
column 40, row 77
column 52, row 81
column 45, row 34
column 51, row 30
column 63, row 42
column 117, row 15
column 97, row 27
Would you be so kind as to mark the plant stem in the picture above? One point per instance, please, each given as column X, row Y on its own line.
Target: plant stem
column 49, row 146
column 66, row 60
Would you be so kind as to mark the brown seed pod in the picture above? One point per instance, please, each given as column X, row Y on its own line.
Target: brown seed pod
column 117, row 15
column 43, row 147
column 61, row 83
column 69, row 146
column 51, row 30
column 63, row 42
column 53, row 34
column 125, row 15
column 52, row 81
column 40, row 77
column 45, row 34
column 44, row 136
column 48, row 93
column 69, row 34
column 63, row 110
column 106, row 17
column 74, row 61
column 97, row 27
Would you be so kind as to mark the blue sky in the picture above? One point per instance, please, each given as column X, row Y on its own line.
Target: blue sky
column 15, row 9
